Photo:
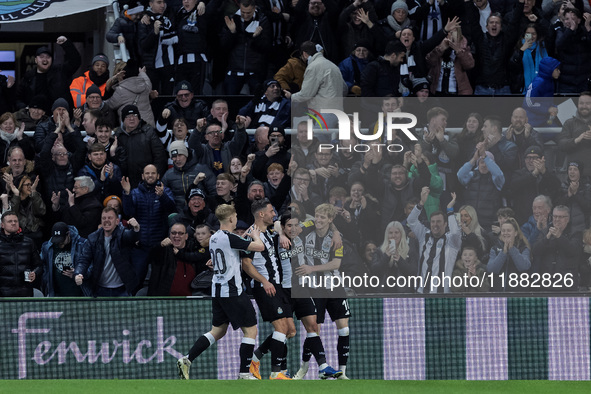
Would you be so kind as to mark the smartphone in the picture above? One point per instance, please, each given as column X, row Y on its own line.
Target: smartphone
column 528, row 36
column 273, row 140
column 393, row 244
column 338, row 203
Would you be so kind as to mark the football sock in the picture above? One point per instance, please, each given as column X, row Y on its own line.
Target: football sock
column 315, row 346
column 284, row 362
column 343, row 346
column 204, row 341
column 277, row 351
column 246, row 350
column 263, row 348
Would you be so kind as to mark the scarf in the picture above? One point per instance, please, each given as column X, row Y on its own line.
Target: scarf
column 395, row 25
column 530, row 67
column 8, row 137
column 98, row 80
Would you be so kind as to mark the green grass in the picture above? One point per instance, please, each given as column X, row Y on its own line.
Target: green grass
column 320, row 387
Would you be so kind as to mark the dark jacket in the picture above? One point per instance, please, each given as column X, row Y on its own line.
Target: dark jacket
column 128, row 28
column 149, row 42
column 204, row 152
column 59, row 77
column 47, row 250
column 92, row 260
column 380, row 78
column 256, row 109
column 85, row 214
column 524, row 187
column 320, row 30
column 143, row 147
column 26, row 144
column 205, row 216
column 151, row 212
column 197, row 109
column 247, row 53
column 573, row 49
column 180, row 180
column 103, row 189
column 45, row 129
column 164, row 261
column 17, row 254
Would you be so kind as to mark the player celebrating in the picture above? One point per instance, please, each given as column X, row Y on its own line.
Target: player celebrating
column 265, row 268
column 229, row 304
column 320, row 261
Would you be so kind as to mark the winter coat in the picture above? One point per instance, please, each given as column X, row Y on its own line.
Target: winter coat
column 17, row 254
column 92, row 259
column 164, row 263
column 30, row 211
column 150, row 43
column 524, row 187
column 103, row 189
column 540, row 93
column 47, row 250
column 26, row 144
column 151, row 212
column 180, row 180
column 291, row 75
column 197, row 109
column 380, row 79
column 323, row 83
column 143, row 147
column 44, row 129
column 80, row 85
column 247, row 53
column 257, row 109
column 204, row 152
column 320, row 30
column 59, row 77
column 85, row 214
column 128, row 29
column 517, row 260
column 573, row 49
column 571, row 129
column 351, row 69
column 136, row 91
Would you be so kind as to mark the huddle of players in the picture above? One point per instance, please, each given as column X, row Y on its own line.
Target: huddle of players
column 273, row 268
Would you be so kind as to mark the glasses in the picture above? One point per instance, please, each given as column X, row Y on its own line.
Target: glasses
column 302, row 179
column 60, row 154
column 532, row 158
column 175, row 233
column 214, row 132
column 183, row 95
column 131, row 116
column 559, row 216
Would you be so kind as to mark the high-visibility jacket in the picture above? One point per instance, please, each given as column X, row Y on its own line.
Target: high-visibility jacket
column 79, row 86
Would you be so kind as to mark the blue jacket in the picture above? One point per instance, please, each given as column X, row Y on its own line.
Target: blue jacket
column 103, row 189
column 540, row 93
column 77, row 243
column 348, row 70
column 92, row 259
column 150, row 211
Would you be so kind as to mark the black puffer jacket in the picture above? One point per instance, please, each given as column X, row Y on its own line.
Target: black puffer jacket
column 247, row 53
column 573, row 49
column 17, row 254
column 197, row 109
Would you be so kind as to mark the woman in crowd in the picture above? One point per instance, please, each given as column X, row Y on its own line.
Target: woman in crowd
column 473, row 235
column 11, row 136
column 526, row 58
column 397, row 256
column 576, row 194
column 30, row 208
column 510, row 254
column 134, row 87
column 470, row 135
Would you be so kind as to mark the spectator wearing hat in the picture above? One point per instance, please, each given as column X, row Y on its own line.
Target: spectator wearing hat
column 539, row 96
column 124, row 30
column 389, row 29
column 34, row 113
column 483, row 181
column 381, row 77
column 115, row 202
column 105, row 175
column 60, row 256
column 531, row 181
column 217, row 154
column 448, row 65
column 97, row 75
column 184, row 106
column 95, row 102
column 150, row 203
column 48, row 79
column 142, row 145
column 276, row 152
column 271, row 109
column 246, row 38
column 60, row 123
column 185, row 173
column 357, row 23
column 421, row 105
column 352, row 67
column 157, row 39
column 134, row 90
column 575, row 193
column 196, row 212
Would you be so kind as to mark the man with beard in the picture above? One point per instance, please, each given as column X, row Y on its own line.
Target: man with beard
column 575, row 138
column 48, row 79
column 97, row 76
column 150, row 203
column 106, row 176
column 245, row 196
column 271, row 109
column 156, row 45
column 521, row 133
column 196, row 212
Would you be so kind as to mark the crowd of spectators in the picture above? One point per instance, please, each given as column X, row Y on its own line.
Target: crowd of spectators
column 104, row 180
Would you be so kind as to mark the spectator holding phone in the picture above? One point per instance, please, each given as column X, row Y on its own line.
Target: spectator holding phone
column 276, row 152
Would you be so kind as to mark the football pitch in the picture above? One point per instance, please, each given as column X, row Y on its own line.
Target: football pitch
column 284, row 387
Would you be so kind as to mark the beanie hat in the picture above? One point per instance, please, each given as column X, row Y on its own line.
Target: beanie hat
column 399, row 4
column 100, row 57
column 419, row 84
column 178, row 148
column 60, row 102
column 130, row 109
column 92, row 90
